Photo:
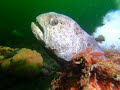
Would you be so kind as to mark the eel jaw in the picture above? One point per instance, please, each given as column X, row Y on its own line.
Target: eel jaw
column 37, row 30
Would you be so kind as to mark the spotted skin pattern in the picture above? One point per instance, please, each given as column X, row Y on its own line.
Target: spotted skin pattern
column 63, row 35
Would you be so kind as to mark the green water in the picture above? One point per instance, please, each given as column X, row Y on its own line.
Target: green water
column 17, row 15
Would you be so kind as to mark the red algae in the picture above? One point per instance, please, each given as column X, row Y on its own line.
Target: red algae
column 90, row 71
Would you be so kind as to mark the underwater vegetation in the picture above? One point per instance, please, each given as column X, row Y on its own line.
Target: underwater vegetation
column 86, row 71
column 91, row 72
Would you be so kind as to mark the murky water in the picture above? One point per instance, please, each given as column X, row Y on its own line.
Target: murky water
column 16, row 16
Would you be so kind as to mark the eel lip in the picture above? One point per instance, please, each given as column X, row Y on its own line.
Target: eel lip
column 37, row 30
column 39, row 26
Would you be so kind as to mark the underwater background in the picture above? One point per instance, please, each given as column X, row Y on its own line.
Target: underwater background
column 16, row 17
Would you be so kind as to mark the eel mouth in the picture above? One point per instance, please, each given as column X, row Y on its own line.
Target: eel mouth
column 37, row 30
column 39, row 26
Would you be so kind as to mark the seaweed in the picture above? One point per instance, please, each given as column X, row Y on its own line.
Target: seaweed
column 91, row 71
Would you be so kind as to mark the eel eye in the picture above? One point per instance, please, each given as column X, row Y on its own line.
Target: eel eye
column 53, row 21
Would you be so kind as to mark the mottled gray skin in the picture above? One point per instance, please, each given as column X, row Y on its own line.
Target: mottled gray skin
column 63, row 35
